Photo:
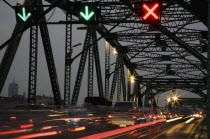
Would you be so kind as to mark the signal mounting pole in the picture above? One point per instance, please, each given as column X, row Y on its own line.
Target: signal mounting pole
column 208, row 74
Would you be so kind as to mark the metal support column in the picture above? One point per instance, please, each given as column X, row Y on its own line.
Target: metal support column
column 123, row 81
column 97, row 64
column 139, row 97
column 49, row 58
column 129, row 86
column 68, row 55
column 136, row 90
column 114, row 80
column 81, row 68
column 208, row 75
column 90, row 69
column 146, row 98
column 33, row 65
column 107, row 69
column 8, row 57
column 119, row 79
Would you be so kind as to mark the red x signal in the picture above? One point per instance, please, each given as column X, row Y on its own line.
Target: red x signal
column 151, row 12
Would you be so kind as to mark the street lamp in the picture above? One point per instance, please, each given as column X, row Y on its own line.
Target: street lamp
column 132, row 79
column 175, row 98
column 168, row 100
column 115, row 51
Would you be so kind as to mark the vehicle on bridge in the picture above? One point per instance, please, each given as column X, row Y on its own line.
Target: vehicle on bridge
column 127, row 113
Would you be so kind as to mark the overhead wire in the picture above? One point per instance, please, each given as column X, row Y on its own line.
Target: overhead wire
column 51, row 14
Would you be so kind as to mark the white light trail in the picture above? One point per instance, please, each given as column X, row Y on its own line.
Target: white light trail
column 189, row 120
column 174, row 119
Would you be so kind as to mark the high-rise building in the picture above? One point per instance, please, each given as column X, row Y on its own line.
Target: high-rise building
column 13, row 89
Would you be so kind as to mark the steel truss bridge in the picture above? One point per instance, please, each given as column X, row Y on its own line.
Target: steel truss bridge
column 161, row 56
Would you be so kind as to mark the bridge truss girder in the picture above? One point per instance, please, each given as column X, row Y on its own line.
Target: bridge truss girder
column 147, row 48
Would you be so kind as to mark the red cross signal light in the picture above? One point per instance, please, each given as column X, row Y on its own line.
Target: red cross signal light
column 151, row 12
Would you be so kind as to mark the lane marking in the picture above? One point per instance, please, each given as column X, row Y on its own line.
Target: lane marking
column 159, row 135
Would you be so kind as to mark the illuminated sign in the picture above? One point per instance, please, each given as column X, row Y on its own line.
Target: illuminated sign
column 24, row 17
column 151, row 12
column 87, row 15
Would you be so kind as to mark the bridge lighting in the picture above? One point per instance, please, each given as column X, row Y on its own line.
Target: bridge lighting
column 115, row 51
column 132, row 78
column 151, row 12
column 175, row 98
column 168, row 99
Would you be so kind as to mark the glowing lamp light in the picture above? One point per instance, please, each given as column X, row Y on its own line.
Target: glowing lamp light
column 175, row 98
column 115, row 51
column 132, row 79
column 168, row 99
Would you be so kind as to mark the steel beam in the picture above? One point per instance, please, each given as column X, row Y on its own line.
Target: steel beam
column 90, row 68
column 114, row 80
column 172, row 36
column 119, row 83
column 195, row 12
column 68, row 55
column 123, row 81
column 107, row 69
column 208, row 75
column 128, row 95
column 81, row 68
column 50, row 59
column 97, row 64
column 8, row 57
column 33, row 56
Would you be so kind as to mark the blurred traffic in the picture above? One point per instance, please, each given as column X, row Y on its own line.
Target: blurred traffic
column 92, row 118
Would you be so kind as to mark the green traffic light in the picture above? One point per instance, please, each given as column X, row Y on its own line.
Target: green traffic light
column 24, row 17
column 86, row 15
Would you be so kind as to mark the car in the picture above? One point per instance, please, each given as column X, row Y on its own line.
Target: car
column 127, row 113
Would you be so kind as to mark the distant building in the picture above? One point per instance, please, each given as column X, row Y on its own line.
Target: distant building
column 13, row 89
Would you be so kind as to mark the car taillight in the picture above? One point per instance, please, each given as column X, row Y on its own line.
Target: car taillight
column 150, row 116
